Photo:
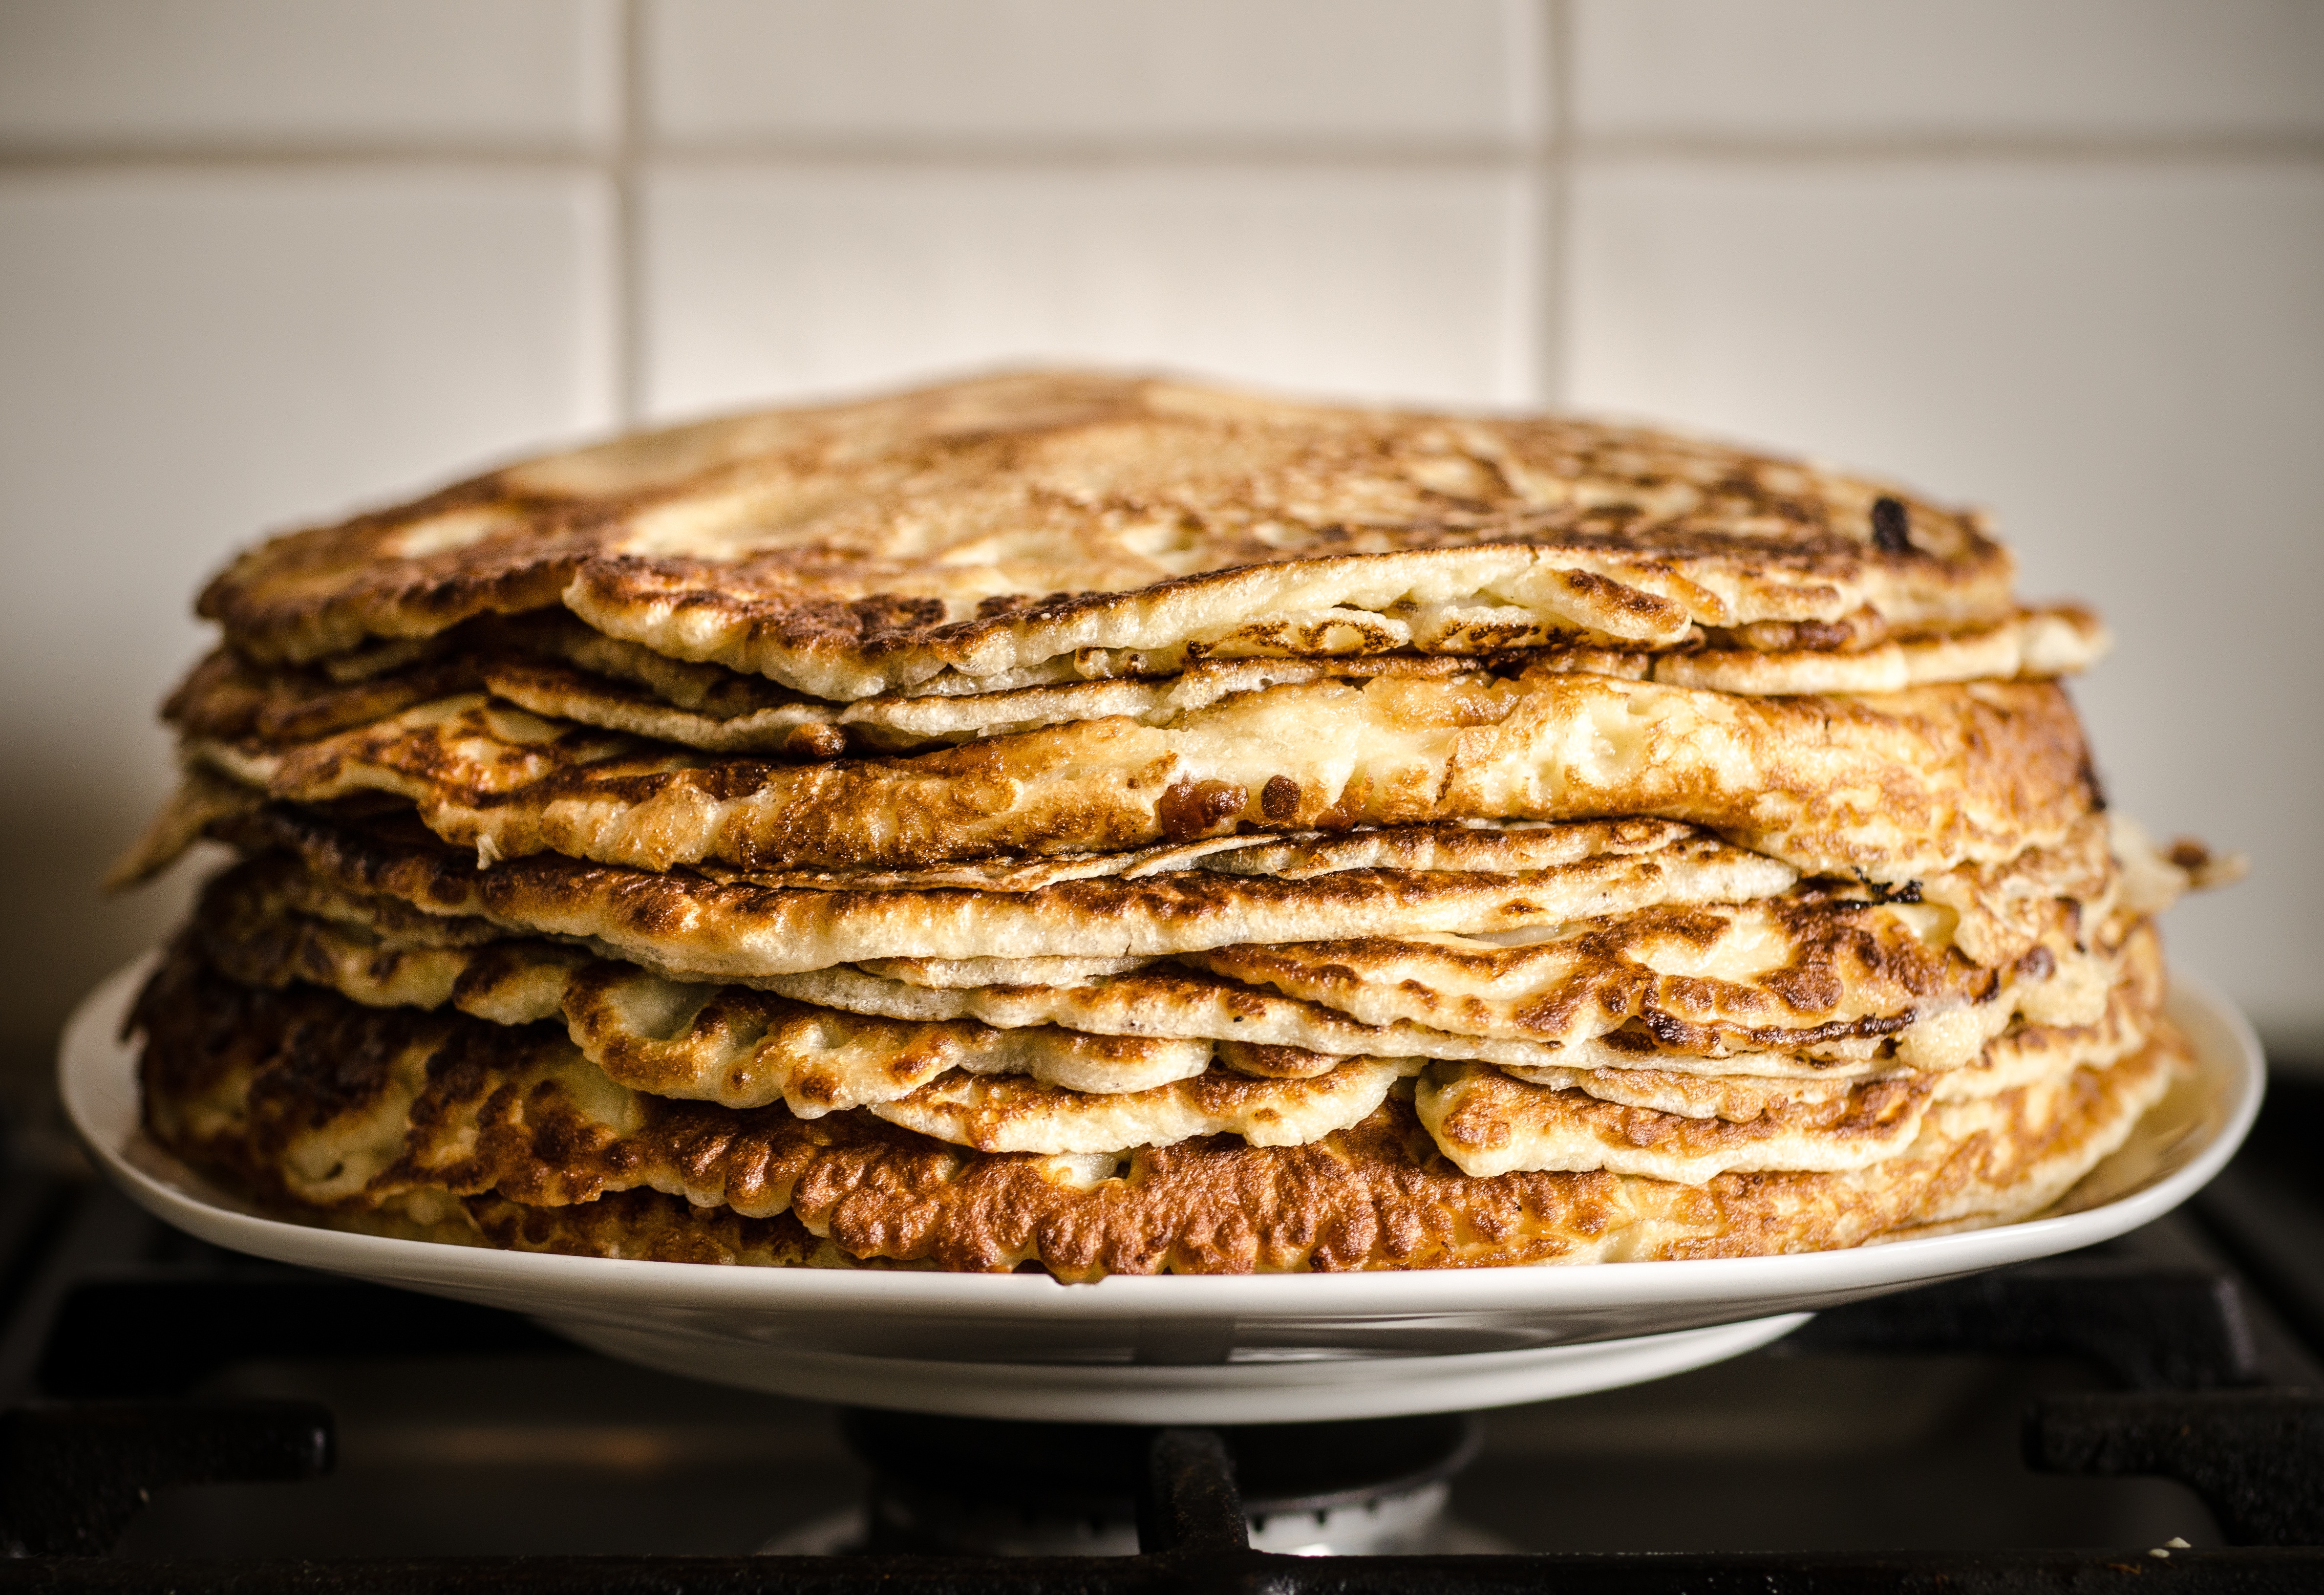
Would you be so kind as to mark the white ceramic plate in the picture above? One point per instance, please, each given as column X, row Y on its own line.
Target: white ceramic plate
column 1251, row 1349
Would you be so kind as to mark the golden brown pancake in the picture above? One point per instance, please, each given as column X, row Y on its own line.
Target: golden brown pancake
column 1022, row 529
column 1886, row 984
column 645, row 1226
column 1889, row 786
column 569, row 673
column 724, row 1044
column 2021, row 1053
column 1485, row 1121
column 1488, row 1124
column 1804, row 974
column 1005, row 1114
column 303, row 1098
column 699, row 926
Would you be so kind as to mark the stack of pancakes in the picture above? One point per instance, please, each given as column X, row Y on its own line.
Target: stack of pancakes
column 1114, row 827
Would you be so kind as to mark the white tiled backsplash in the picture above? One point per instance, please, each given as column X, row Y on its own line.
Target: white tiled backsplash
column 262, row 261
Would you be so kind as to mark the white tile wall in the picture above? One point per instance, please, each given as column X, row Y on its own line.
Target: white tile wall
column 2126, row 361
column 212, row 73
column 189, row 358
column 1214, row 72
column 1973, row 69
column 763, row 281
column 263, row 259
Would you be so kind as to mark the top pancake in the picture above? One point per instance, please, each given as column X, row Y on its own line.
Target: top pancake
column 1020, row 529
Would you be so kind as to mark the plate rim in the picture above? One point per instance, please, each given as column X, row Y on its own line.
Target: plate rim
column 90, row 1047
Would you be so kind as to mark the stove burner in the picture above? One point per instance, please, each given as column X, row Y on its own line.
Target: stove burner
column 968, row 1486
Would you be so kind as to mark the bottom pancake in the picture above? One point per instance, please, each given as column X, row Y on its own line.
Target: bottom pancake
column 640, row 1226
column 374, row 1129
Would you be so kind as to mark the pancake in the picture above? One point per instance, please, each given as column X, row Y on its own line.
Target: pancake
column 1888, row 787
column 1045, row 526
column 1165, row 998
column 422, row 1095
column 745, row 1047
column 2031, row 644
column 643, row 1226
column 1475, row 847
column 1997, row 917
column 713, row 710
column 309, row 1101
column 732, row 1043
column 1801, row 975
column 722, row 1044
column 568, row 672
column 727, row 1045
column 269, row 921
column 2021, row 1054
column 694, row 925
column 939, row 1084
column 1488, row 1124
column 1010, row 1115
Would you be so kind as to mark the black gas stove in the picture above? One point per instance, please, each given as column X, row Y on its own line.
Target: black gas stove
column 2149, row 1414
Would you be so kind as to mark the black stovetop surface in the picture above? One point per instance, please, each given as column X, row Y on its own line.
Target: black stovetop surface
column 179, row 1415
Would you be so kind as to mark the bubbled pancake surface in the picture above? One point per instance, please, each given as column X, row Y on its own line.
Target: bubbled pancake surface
column 1030, row 524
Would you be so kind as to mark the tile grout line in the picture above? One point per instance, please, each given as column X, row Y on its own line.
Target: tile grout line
column 627, row 243
column 28, row 160
column 63, row 162
column 1960, row 148
column 1552, row 182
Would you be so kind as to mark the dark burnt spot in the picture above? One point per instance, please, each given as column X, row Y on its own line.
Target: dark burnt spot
column 1348, row 810
column 1870, row 1026
column 1619, row 596
column 1874, row 891
column 1189, row 809
column 723, row 782
column 1805, row 988
column 1891, row 526
column 815, row 742
column 2189, row 854
column 655, row 906
column 889, row 612
column 1820, row 635
column 2038, row 963
column 1700, row 928
column 1672, row 1032
column 1001, row 605
column 1278, row 800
